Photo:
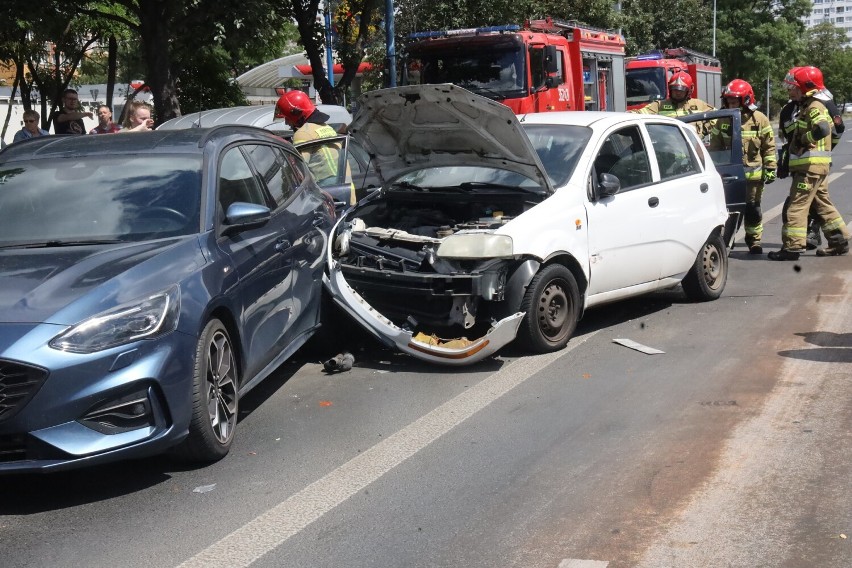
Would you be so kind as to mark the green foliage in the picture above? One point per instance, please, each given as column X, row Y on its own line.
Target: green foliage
column 206, row 82
column 667, row 23
column 759, row 41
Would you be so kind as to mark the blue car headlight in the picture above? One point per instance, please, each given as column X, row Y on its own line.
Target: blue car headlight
column 147, row 318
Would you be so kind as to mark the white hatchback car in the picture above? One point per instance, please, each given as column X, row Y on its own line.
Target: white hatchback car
column 490, row 228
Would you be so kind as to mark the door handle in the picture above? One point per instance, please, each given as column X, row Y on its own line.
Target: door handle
column 729, row 177
column 704, row 188
column 282, row 244
column 653, row 201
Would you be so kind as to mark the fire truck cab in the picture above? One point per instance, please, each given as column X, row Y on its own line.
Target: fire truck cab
column 544, row 65
column 648, row 75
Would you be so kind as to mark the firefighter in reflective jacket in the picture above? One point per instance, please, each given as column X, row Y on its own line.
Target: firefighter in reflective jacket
column 810, row 159
column 759, row 158
column 679, row 102
column 300, row 113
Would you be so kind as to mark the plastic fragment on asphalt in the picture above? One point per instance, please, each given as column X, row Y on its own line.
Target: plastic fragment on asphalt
column 204, row 488
column 638, row 346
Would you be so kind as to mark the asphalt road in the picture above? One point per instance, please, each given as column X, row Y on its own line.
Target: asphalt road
column 731, row 448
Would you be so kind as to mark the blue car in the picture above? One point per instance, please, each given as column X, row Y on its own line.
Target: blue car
column 147, row 282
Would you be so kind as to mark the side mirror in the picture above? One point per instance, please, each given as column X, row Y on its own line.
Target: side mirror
column 550, row 59
column 608, row 185
column 241, row 216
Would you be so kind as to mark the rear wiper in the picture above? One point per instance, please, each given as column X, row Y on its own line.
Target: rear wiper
column 59, row 243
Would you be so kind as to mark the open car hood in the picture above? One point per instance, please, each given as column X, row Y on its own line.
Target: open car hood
column 409, row 128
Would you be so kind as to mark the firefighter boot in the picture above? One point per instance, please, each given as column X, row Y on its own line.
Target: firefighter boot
column 785, row 254
column 835, row 250
column 814, row 239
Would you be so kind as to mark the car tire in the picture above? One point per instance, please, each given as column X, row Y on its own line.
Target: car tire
column 215, row 397
column 706, row 279
column 552, row 307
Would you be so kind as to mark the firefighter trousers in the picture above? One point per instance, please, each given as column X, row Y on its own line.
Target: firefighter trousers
column 753, row 223
column 810, row 189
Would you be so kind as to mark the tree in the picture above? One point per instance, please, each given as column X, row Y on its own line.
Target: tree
column 651, row 25
column 825, row 50
column 760, row 41
column 355, row 21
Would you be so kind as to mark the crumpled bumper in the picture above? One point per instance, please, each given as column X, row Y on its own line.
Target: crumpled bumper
column 451, row 353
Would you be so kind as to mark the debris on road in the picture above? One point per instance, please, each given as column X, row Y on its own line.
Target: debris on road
column 637, row 346
column 339, row 363
column 204, row 488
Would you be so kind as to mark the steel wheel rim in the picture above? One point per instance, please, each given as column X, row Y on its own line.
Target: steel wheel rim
column 221, row 387
column 712, row 262
column 553, row 308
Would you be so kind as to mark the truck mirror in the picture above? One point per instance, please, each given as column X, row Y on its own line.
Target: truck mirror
column 550, row 59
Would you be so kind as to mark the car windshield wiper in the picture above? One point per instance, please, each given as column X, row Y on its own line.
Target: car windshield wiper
column 408, row 185
column 60, row 243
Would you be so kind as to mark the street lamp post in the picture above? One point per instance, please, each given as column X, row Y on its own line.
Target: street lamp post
column 714, row 28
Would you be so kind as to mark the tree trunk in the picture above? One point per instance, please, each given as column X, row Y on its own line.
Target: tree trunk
column 154, row 29
column 112, row 66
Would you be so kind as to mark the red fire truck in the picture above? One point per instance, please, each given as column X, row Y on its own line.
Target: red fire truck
column 544, row 65
column 648, row 75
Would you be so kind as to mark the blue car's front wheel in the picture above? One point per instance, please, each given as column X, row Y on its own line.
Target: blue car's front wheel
column 215, row 396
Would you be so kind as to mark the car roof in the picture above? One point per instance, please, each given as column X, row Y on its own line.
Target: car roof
column 190, row 140
column 262, row 116
column 588, row 118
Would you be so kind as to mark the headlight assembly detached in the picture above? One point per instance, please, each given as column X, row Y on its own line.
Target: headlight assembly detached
column 142, row 319
column 476, row 245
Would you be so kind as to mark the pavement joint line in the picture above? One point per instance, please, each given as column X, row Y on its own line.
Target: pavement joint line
column 272, row 528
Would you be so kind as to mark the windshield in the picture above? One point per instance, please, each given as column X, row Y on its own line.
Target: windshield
column 645, row 85
column 494, row 73
column 99, row 198
column 558, row 147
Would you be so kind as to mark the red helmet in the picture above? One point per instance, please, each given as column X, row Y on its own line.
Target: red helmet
column 294, row 107
column 741, row 89
column 681, row 80
column 807, row 79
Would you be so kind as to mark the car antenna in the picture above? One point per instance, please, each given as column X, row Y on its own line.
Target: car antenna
column 197, row 123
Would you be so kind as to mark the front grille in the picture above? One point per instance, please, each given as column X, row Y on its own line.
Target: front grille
column 18, row 384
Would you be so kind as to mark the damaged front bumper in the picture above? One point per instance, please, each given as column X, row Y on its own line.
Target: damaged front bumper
column 455, row 352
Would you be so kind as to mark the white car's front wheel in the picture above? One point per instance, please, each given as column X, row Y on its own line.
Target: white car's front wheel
column 552, row 307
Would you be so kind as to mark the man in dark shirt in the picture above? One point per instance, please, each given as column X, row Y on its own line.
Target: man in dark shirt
column 70, row 117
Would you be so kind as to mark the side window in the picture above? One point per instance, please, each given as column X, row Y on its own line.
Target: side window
column 273, row 167
column 674, row 156
column 624, row 155
column 237, row 182
column 537, row 66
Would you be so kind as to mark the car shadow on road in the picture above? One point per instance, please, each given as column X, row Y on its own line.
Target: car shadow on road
column 830, row 347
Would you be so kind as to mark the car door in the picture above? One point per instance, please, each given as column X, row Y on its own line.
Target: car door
column 262, row 259
column 627, row 229
column 689, row 195
column 728, row 161
column 300, row 208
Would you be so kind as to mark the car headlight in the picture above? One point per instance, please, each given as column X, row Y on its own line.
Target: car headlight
column 476, row 245
column 141, row 319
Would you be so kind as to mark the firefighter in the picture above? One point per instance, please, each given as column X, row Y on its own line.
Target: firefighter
column 759, row 158
column 309, row 123
column 810, row 158
column 787, row 121
column 679, row 102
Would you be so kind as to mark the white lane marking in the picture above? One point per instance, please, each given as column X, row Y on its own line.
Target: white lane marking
column 574, row 563
column 270, row 529
column 776, row 211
